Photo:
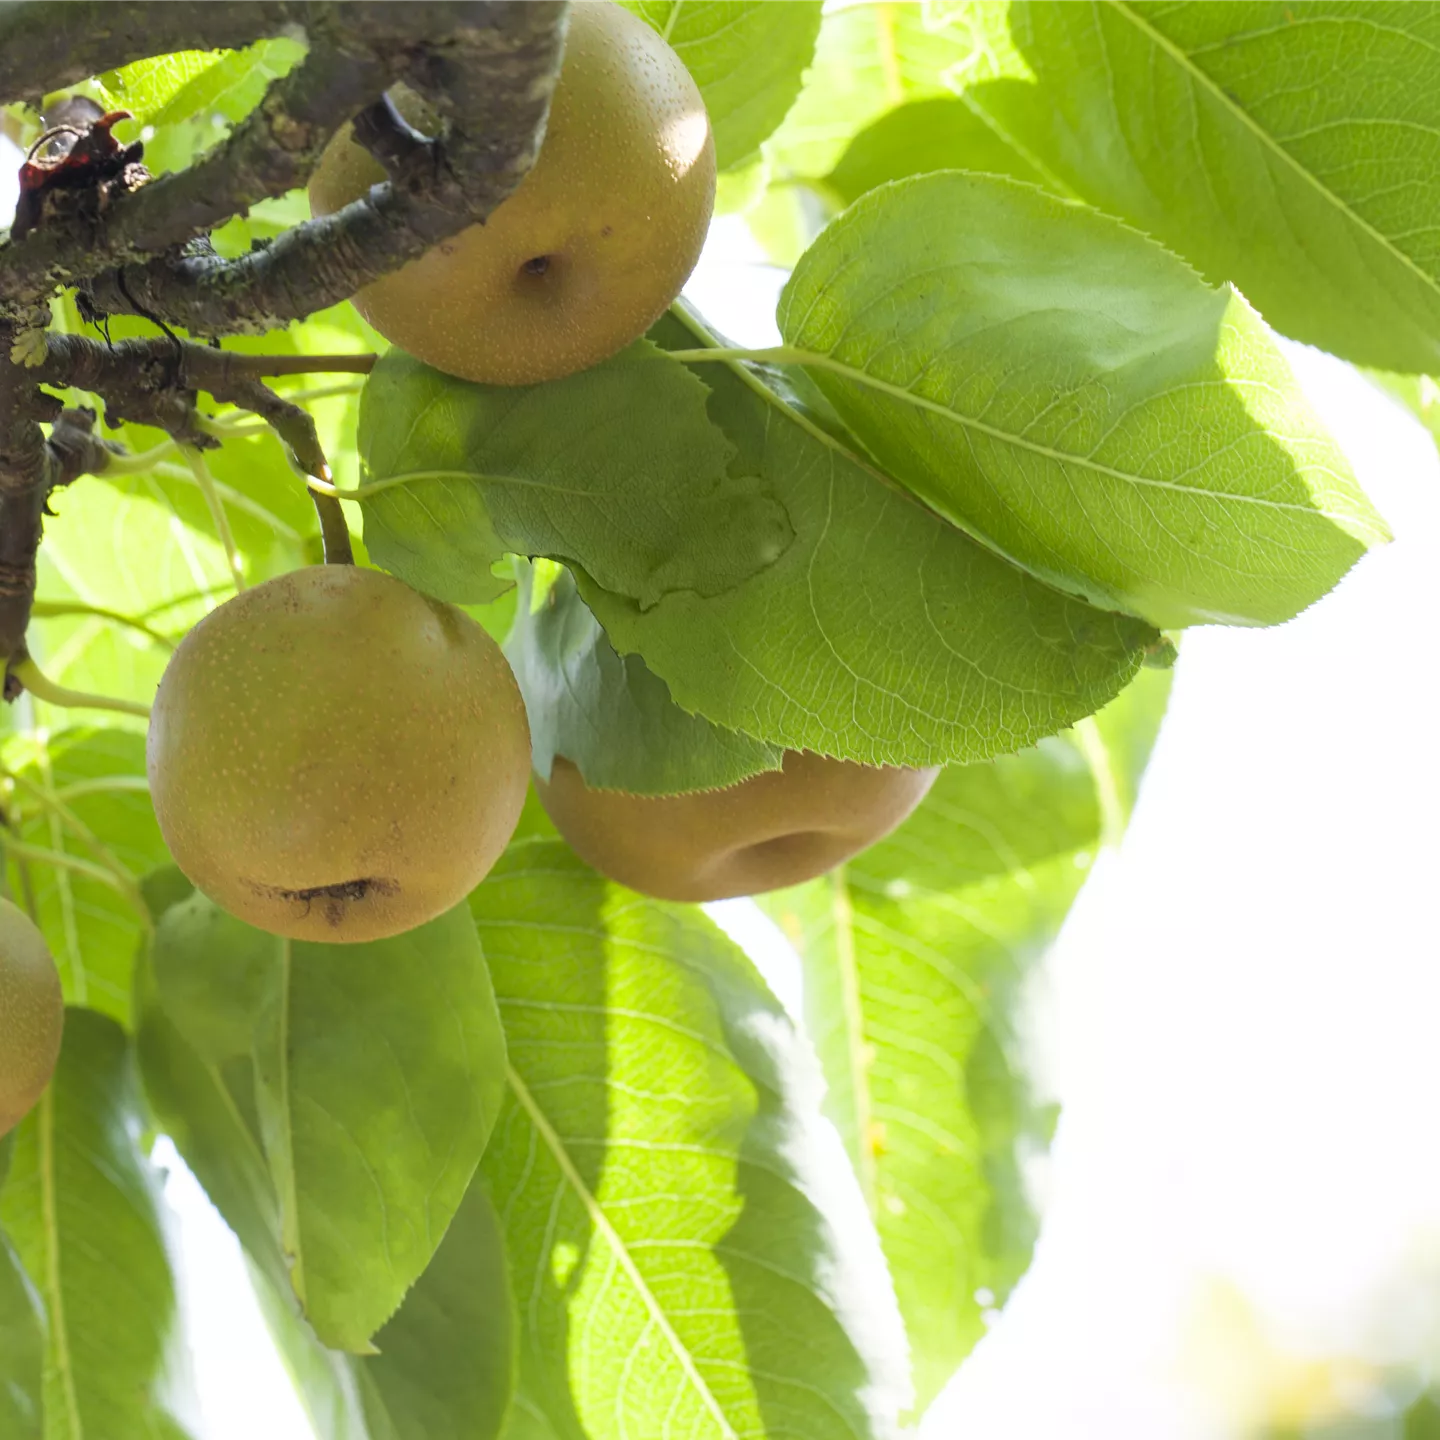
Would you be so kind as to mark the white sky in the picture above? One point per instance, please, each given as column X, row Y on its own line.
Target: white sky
column 1239, row 1020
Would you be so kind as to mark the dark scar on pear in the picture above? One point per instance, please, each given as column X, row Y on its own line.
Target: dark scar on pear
column 333, row 898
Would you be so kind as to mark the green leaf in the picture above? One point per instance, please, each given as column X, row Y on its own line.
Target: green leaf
column 445, row 1365
column 22, row 1350
column 687, row 1254
column 235, row 84
column 1292, row 150
column 375, row 1072
column 1421, row 1420
column 869, row 59
column 82, row 793
column 616, row 468
column 1077, row 398
column 914, row 954
column 747, row 58
column 1419, row 394
column 610, row 716
column 172, row 88
column 925, row 135
column 883, row 634
column 446, row 1358
column 146, row 86
column 83, row 1208
column 122, row 549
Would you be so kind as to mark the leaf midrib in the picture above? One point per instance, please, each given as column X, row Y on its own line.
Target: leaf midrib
column 290, row 1200
column 1266, row 139
column 818, row 360
column 59, row 1330
column 842, row 913
column 602, row 1224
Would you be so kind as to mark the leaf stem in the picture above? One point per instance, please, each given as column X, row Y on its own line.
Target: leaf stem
column 18, row 850
column 1096, row 753
column 54, row 609
column 34, row 680
column 124, row 881
column 206, row 481
column 105, row 785
column 768, row 355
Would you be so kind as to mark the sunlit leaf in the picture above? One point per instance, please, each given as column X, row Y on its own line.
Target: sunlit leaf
column 747, row 58
column 938, row 134
column 617, row 468
column 688, row 1251
column 169, row 89
column 371, row 1073
column 915, row 954
column 1077, row 398
column 82, row 1205
column 869, row 59
column 883, row 634
column 1292, row 150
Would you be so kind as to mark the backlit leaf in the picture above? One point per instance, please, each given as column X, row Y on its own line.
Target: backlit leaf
column 1077, row 398
column 83, row 1208
column 81, row 793
column 690, row 1256
column 1291, row 149
column 371, row 1075
column 22, row 1350
column 914, row 955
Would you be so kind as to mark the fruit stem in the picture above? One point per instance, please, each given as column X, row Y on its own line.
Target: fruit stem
column 334, row 532
column 33, row 679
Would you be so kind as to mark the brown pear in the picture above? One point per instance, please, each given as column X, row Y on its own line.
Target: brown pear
column 773, row 830
column 32, row 1015
column 335, row 757
column 590, row 248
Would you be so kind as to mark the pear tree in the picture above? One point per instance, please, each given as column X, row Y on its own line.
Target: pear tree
column 414, row 606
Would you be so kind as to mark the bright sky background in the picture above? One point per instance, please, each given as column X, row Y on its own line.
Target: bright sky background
column 1243, row 1201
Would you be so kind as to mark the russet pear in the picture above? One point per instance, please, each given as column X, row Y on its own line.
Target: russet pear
column 773, row 830
column 590, row 248
column 32, row 1015
column 335, row 757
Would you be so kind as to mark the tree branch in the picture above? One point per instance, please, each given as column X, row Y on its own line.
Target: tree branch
column 486, row 66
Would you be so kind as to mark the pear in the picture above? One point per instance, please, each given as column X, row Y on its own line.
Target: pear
column 773, row 830
column 590, row 248
column 335, row 757
column 32, row 1015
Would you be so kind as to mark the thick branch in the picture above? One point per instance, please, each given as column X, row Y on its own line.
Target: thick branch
column 487, row 65
column 45, row 47
column 152, row 382
column 30, row 468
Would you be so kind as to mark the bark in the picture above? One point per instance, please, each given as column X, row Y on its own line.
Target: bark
column 487, row 67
